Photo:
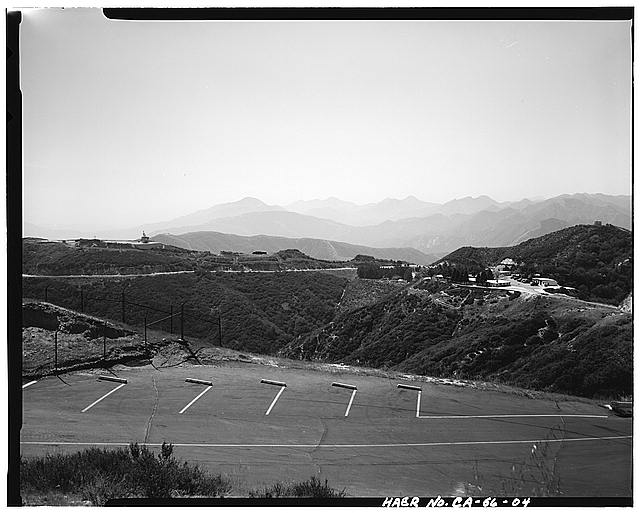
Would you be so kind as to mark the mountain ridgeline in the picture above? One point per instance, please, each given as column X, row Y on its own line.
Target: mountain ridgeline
column 469, row 221
column 595, row 260
column 433, row 229
column 321, row 249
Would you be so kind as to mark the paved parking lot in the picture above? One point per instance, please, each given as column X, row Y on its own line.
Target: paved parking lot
column 380, row 448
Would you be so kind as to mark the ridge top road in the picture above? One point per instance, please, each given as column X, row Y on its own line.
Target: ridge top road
column 168, row 273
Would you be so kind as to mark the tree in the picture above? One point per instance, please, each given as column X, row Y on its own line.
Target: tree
column 369, row 270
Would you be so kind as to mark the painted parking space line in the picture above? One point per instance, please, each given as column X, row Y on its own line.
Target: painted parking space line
column 29, row 384
column 340, row 446
column 103, row 397
column 280, row 384
column 419, row 390
column 209, row 387
column 353, row 394
column 353, row 389
column 275, row 399
column 509, row 416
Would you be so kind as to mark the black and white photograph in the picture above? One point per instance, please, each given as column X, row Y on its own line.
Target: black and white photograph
column 325, row 257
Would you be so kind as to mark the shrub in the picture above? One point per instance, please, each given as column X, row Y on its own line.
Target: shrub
column 100, row 474
column 312, row 487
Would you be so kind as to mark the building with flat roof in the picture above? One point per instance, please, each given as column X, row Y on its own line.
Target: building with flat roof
column 544, row 282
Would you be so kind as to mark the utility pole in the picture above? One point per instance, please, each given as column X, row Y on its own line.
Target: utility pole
column 182, row 321
column 145, row 332
column 104, row 341
column 81, row 300
column 171, row 319
column 123, row 318
column 45, row 294
column 219, row 327
column 55, row 354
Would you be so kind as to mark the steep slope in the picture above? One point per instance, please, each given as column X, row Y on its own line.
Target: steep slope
column 82, row 340
column 545, row 343
column 259, row 312
column 316, row 248
column 596, row 260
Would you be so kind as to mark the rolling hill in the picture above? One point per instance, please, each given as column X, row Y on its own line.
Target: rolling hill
column 45, row 258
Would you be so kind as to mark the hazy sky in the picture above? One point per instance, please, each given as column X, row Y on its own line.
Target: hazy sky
column 132, row 122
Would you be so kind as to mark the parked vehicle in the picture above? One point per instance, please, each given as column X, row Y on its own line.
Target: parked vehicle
column 622, row 408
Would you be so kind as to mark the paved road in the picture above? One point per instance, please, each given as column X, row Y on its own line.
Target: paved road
column 538, row 291
column 180, row 272
column 381, row 448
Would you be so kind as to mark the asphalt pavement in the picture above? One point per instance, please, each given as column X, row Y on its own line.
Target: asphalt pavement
column 463, row 435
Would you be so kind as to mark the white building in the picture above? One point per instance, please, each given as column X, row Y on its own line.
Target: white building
column 544, row 282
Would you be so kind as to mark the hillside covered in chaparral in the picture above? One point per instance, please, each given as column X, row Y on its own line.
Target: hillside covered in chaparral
column 595, row 260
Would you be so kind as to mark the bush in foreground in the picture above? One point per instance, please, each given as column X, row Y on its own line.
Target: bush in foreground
column 98, row 475
column 313, row 487
column 536, row 476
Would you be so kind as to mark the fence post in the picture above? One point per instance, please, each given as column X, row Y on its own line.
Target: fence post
column 171, row 319
column 55, row 354
column 182, row 321
column 219, row 327
column 104, row 341
column 123, row 317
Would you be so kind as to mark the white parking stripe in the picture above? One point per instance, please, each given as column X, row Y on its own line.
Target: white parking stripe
column 275, row 399
column 339, row 446
column 103, row 397
column 196, row 398
column 510, row 416
column 353, row 394
column 28, row 384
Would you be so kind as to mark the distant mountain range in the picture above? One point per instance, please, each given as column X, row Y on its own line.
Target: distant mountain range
column 409, row 223
column 362, row 215
column 321, row 249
